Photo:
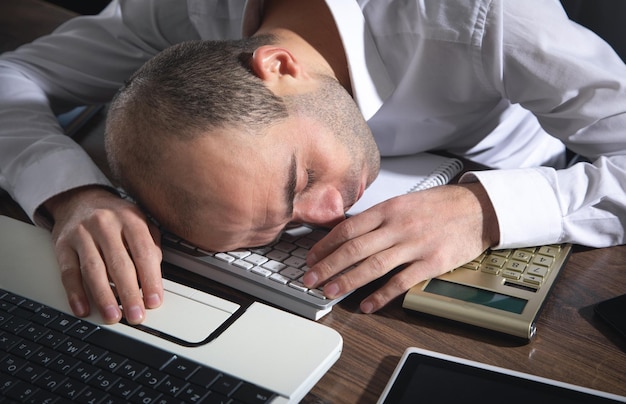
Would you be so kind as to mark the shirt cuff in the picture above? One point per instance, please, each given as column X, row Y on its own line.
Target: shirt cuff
column 526, row 207
column 51, row 175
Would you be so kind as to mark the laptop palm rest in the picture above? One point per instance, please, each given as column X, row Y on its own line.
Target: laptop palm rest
column 189, row 317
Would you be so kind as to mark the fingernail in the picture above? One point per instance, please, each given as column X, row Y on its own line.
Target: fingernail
column 153, row 300
column 331, row 290
column 311, row 259
column 367, row 307
column 134, row 314
column 112, row 313
column 79, row 308
column 309, row 279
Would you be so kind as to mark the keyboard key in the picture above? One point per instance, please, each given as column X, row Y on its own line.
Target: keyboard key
column 50, row 380
column 111, row 361
column 181, row 368
column 104, row 380
column 70, row 346
column 44, row 356
column 83, row 372
column 10, row 364
column 172, row 386
column 52, row 339
column 63, row 364
column 45, row 315
column 256, row 259
column 193, row 394
column 261, row 271
column 42, row 396
column 225, row 385
column 144, row 395
column 70, row 389
column 129, row 347
column 151, row 377
column 30, row 372
column 25, row 349
column 248, row 393
column 8, row 340
column 33, row 332
column 20, row 391
column 123, row 388
column 204, row 377
column 131, row 369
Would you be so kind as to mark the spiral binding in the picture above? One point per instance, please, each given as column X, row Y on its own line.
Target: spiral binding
column 441, row 176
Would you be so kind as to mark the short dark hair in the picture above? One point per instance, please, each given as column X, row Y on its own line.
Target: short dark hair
column 182, row 93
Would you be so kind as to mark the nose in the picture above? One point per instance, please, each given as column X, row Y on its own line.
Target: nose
column 322, row 207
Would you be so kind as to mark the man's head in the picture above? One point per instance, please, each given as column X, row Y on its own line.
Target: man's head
column 225, row 143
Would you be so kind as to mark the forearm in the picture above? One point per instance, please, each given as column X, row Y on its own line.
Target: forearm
column 83, row 62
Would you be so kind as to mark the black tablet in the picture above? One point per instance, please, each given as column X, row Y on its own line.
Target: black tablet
column 428, row 377
column 613, row 311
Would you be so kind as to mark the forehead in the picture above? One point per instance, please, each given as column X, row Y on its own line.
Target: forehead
column 236, row 184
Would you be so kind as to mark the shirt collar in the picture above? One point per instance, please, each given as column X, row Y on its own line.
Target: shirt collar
column 370, row 80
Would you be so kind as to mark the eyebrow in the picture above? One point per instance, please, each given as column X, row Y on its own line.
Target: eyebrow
column 290, row 188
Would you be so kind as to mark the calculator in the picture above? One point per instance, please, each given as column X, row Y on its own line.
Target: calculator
column 501, row 290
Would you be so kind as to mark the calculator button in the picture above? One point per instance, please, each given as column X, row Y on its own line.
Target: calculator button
column 538, row 271
column 488, row 269
column 543, row 260
column 521, row 255
column 533, row 279
column 548, row 250
column 511, row 274
column 516, row 266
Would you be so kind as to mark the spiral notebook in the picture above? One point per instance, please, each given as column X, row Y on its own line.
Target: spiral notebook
column 403, row 174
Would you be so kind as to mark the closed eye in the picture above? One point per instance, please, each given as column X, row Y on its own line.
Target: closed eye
column 310, row 179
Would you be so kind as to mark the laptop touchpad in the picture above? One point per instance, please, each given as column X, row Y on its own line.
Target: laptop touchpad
column 187, row 316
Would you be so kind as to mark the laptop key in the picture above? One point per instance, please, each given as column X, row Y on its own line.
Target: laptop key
column 122, row 345
column 251, row 394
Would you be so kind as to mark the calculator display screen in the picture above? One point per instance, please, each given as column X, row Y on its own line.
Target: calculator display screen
column 477, row 296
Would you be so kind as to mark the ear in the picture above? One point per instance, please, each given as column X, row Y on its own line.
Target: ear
column 276, row 66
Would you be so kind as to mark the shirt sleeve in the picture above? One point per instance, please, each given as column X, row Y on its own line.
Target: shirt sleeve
column 83, row 62
column 575, row 85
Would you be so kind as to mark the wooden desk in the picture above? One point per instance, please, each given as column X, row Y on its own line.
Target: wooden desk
column 572, row 345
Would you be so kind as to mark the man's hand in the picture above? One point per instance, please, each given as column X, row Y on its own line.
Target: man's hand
column 431, row 231
column 100, row 238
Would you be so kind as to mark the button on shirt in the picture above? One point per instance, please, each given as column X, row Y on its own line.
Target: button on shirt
column 505, row 83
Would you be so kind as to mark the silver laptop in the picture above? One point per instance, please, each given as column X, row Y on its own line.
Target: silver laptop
column 197, row 345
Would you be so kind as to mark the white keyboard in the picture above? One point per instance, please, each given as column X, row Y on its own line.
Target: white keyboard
column 272, row 273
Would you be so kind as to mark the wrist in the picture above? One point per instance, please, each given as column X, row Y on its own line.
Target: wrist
column 52, row 208
column 490, row 227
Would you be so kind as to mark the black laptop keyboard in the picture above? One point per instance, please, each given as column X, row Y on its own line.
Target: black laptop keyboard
column 51, row 357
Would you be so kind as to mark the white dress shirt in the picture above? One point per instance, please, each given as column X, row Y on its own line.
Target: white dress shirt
column 505, row 83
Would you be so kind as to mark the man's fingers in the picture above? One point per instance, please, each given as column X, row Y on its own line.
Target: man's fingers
column 370, row 247
column 82, row 266
column 345, row 231
column 72, row 281
column 396, row 286
column 101, row 238
column 146, row 256
column 122, row 272
column 375, row 266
